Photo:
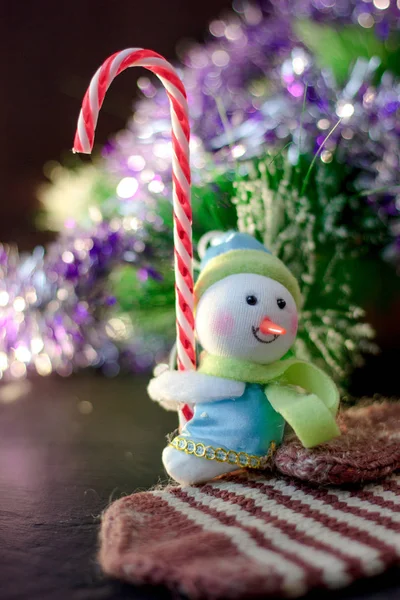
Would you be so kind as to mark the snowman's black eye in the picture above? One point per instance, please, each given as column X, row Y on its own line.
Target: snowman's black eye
column 252, row 300
column 281, row 303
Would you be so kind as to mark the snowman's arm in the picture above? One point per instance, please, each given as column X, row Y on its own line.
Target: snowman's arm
column 172, row 388
column 311, row 419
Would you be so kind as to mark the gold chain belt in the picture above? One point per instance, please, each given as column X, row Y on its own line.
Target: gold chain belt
column 241, row 459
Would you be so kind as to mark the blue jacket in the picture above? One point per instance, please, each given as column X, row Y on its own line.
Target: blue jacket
column 245, row 424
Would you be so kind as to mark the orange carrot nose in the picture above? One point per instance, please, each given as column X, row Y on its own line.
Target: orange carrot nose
column 268, row 326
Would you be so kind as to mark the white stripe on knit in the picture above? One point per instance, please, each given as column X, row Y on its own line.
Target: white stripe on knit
column 381, row 492
column 379, row 532
column 293, row 576
column 369, row 506
column 386, row 495
column 333, row 569
column 369, row 557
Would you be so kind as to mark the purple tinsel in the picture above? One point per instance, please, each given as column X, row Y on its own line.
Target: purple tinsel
column 56, row 314
column 246, row 88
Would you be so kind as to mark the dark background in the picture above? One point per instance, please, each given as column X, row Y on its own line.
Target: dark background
column 49, row 51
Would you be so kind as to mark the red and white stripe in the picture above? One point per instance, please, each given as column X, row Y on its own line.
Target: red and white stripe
column 251, row 535
column 183, row 250
column 234, row 507
column 240, row 536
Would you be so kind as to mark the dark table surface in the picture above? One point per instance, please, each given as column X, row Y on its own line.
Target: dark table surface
column 67, row 449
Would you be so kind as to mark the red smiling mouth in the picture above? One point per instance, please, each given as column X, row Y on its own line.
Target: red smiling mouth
column 255, row 331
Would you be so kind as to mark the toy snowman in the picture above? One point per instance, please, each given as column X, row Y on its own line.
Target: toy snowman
column 249, row 383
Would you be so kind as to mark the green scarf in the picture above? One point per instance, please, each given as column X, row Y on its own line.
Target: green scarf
column 311, row 415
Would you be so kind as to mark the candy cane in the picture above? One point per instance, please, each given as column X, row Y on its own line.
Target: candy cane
column 183, row 249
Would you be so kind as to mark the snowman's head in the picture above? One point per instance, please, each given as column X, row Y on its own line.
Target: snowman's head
column 247, row 316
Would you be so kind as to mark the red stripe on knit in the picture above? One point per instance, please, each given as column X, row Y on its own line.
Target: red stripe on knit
column 312, row 575
column 329, row 497
column 345, row 529
column 352, row 565
column 162, row 545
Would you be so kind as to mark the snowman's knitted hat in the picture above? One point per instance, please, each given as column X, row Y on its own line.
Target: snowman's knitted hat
column 233, row 253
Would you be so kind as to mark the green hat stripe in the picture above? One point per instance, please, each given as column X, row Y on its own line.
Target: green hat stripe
column 246, row 261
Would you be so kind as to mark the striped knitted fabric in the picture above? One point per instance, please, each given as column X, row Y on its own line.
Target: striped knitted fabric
column 247, row 535
column 252, row 534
